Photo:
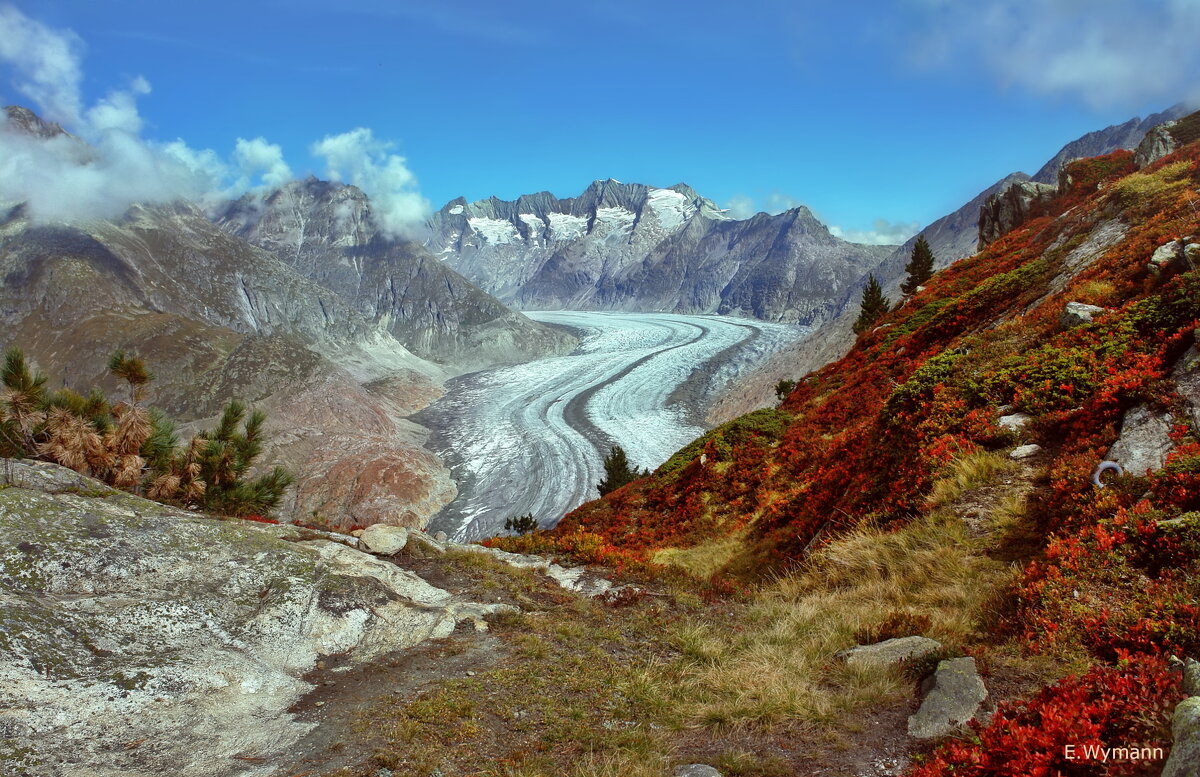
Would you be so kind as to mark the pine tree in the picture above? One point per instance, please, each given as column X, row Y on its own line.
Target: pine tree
column 919, row 268
column 617, row 471
column 522, row 524
column 874, row 305
column 783, row 388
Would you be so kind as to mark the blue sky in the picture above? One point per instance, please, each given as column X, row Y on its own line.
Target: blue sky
column 864, row 111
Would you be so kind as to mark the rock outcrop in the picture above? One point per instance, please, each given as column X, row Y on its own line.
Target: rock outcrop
column 890, row 651
column 139, row 639
column 1011, row 207
column 1145, row 439
column 955, row 695
column 1166, row 138
column 1078, row 313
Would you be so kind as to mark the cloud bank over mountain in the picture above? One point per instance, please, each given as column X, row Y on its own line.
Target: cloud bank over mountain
column 102, row 163
column 1103, row 52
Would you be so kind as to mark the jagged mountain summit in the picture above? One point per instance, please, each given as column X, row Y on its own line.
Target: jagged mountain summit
column 633, row 247
column 326, row 232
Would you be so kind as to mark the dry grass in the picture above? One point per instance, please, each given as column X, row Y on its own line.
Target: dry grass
column 970, row 472
column 777, row 666
column 701, row 560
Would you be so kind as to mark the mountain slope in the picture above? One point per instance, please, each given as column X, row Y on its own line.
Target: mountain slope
column 632, row 247
column 217, row 318
column 952, row 237
column 326, row 232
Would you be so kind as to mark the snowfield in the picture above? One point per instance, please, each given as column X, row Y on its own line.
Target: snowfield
column 532, row 437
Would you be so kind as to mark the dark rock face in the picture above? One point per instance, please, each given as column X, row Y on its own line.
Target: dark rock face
column 633, row 247
column 1010, row 207
column 325, row 231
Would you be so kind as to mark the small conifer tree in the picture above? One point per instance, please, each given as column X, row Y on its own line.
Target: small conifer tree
column 919, row 267
column 617, row 471
column 521, row 524
column 783, row 388
column 874, row 305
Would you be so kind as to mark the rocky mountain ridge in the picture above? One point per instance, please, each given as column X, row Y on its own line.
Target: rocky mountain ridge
column 326, row 232
column 634, row 247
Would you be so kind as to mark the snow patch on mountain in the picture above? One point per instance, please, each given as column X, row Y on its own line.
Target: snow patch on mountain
column 564, row 226
column 456, row 210
column 614, row 221
column 536, row 226
column 495, row 231
column 670, row 207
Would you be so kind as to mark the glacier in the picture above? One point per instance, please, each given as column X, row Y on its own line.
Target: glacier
column 531, row 438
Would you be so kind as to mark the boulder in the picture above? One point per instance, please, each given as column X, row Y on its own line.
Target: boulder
column 1167, row 254
column 1010, row 207
column 1014, row 422
column 955, row 697
column 1191, row 677
column 384, row 540
column 1078, row 313
column 695, row 770
column 421, row 544
column 1025, row 451
column 1184, row 760
column 890, row 651
column 123, row 620
column 1144, row 441
column 1155, row 144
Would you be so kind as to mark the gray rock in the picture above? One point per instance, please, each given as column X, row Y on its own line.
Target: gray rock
column 1191, row 677
column 1144, row 441
column 890, row 651
column 1157, row 143
column 384, row 540
column 440, row 536
column 1184, row 760
column 1078, row 313
column 421, row 544
column 1014, row 422
column 1010, row 207
column 1166, row 254
column 695, row 770
column 1025, row 451
column 123, row 620
column 953, row 700
column 1186, row 374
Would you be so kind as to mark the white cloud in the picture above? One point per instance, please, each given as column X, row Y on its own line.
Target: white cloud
column 358, row 158
column 1104, row 52
column 882, row 232
column 741, row 207
column 108, row 165
column 259, row 158
column 47, row 62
